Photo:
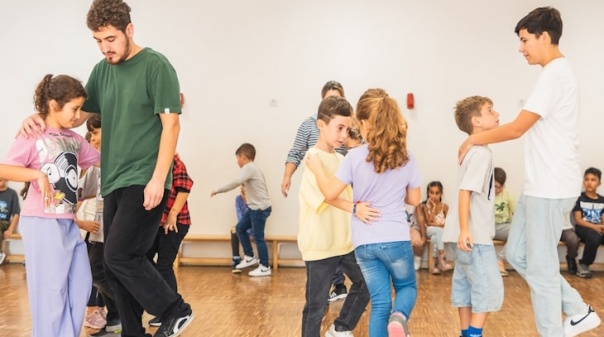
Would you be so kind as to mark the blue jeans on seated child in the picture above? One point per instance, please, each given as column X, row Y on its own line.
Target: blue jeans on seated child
column 381, row 262
column 256, row 220
column 477, row 281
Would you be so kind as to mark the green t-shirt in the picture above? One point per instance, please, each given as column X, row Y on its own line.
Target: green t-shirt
column 130, row 96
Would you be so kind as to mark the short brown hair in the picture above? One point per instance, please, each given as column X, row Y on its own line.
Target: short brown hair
column 247, row 150
column 333, row 106
column 468, row 108
column 104, row 13
column 332, row 85
column 500, row 176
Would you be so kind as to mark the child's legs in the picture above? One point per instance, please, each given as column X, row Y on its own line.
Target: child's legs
column 461, row 288
column 49, row 274
column 550, row 293
column 168, row 247
column 234, row 242
column 242, row 226
column 377, row 278
column 357, row 298
column 97, row 266
column 398, row 259
column 592, row 241
column 571, row 241
column 486, row 282
column 79, row 280
column 435, row 234
column 516, row 245
column 477, row 282
column 258, row 219
column 502, row 231
column 317, row 290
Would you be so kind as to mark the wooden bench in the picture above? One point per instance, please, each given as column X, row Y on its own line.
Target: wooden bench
column 275, row 241
column 19, row 258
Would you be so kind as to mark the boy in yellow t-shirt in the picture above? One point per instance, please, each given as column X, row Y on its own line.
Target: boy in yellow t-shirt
column 324, row 235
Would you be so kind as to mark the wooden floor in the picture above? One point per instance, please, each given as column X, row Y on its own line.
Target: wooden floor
column 239, row 306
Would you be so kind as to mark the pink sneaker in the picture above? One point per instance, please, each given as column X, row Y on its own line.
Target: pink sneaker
column 95, row 320
column 397, row 326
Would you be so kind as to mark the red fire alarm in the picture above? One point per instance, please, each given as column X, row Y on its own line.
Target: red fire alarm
column 410, row 101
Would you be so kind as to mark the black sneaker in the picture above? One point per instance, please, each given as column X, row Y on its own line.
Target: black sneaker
column 571, row 265
column 113, row 326
column 155, row 321
column 174, row 326
column 100, row 333
column 583, row 271
column 338, row 293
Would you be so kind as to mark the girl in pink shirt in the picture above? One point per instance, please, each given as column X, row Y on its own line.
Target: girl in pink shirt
column 58, row 271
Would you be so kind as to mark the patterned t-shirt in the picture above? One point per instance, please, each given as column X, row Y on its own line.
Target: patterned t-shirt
column 591, row 209
column 57, row 152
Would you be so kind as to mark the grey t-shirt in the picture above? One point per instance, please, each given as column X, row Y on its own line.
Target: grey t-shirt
column 475, row 175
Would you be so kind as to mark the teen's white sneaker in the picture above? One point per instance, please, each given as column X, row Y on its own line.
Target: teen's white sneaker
column 2, row 257
column 578, row 324
column 261, row 271
column 333, row 333
column 247, row 261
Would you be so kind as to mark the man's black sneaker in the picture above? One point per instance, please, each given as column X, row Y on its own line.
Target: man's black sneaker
column 174, row 326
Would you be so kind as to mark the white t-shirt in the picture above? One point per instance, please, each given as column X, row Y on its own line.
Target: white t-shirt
column 552, row 167
column 475, row 175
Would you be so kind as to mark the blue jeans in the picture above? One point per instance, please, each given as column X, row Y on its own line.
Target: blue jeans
column 532, row 249
column 256, row 220
column 381, row 264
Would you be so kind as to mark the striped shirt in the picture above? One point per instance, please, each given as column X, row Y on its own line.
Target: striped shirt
column 306, row 137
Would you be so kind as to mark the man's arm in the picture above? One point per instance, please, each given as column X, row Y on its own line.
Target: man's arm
column 34, row 125
column 290, row 168
column 297, row 152
column 154, row 191
column 524, row 121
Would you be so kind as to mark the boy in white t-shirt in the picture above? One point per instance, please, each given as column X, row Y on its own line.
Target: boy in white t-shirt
column 548, row 121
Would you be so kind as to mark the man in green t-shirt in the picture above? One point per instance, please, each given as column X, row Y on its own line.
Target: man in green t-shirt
column 137, row 92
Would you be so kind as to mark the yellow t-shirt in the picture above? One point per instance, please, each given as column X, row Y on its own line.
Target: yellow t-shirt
column 324, row 231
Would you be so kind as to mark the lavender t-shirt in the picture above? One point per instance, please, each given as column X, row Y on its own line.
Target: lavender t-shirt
column 58, row 154
column 385, row 191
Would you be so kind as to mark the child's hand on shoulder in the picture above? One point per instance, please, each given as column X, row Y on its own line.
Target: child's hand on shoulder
column 313, row 162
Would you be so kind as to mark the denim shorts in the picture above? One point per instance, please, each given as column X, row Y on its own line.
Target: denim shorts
column 476, row 281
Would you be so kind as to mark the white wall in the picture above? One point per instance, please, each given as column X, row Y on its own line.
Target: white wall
column 234, row 57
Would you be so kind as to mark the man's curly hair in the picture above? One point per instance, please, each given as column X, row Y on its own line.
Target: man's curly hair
column 104, row 13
